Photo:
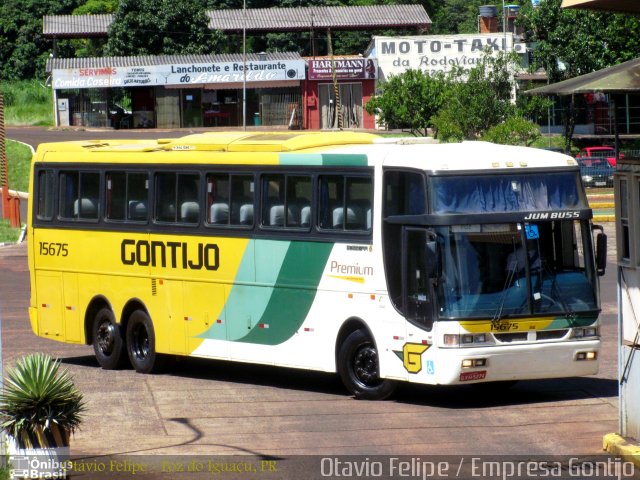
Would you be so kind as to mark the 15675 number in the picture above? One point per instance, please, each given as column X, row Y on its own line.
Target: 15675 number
column 54, row 249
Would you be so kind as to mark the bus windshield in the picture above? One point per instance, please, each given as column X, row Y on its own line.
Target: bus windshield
column 521, row 269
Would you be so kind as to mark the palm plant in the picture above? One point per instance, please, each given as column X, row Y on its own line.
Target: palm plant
column 40, row 405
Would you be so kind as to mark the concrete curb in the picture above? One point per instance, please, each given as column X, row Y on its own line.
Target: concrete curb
column 619, row 446
column 604, row 218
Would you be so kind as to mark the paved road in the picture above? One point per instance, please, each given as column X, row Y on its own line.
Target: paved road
column 212, row 407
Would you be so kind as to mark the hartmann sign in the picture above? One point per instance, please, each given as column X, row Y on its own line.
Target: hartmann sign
column 179, row 74
column 436, row 53
column 344, row 69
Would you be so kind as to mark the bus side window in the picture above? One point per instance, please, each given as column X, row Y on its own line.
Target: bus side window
column 79, row 192
column 189, row 198
column 137, row 196
column 404, row 193
column 242, row 195
column 46, row 186
column 178, row 198
column 218, row 199
column 345, row 203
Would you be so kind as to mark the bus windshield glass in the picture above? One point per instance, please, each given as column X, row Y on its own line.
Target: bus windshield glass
column 498, row 270
column 507, row 193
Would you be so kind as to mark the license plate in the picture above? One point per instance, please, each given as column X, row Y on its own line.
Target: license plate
column 467, row 376
column 601, row 184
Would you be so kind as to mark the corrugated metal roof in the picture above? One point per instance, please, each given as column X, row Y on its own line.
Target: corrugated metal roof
column 621, row 78
column 150, row 60
column 264, row 19
column 82, row 26
column 304, row 18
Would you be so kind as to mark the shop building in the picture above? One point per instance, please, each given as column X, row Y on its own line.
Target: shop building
column 193, row 91
column 336, row 90
column 178, row 91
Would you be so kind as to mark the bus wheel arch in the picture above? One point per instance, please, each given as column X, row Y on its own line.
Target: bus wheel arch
column 357, row 362
column 105, row 334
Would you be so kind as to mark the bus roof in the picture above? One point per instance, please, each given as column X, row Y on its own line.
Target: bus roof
column 293, row 148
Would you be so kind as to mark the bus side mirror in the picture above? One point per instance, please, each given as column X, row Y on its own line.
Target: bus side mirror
column 601, row 250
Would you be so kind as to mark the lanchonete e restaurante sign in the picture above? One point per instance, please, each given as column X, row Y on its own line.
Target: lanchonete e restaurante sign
column 178, row 74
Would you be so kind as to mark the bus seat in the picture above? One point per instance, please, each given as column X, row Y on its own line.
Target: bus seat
column 189, row 212
column 369, row 219
column 276, row 216
column 85, row 208
column 305, row 216
column 137, row 210
column 219, row 213
column 338, row 217
column 246, row 214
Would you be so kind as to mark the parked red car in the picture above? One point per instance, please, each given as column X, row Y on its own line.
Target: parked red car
column 607, row 152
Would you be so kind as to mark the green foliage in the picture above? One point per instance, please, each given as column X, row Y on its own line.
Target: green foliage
column 447, row 127
column 39, row 400
column 19, row 158
column 409, row 100
column 456, row 16
column 96, row 7
column 514, row 130
column 23, row 49
column 572, row 42
column 161, row 27
column 479, row 99
column 8, row 234
column 27, row 102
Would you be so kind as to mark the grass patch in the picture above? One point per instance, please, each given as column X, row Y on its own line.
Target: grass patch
column 8, row 234
column 27, row 102
column 19, row 158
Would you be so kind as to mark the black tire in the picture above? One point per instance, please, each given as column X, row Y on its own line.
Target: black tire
column 108, row 343
column 141, row 343
column 359, row 368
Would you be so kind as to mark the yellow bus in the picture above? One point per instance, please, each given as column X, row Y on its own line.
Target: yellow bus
column 384, row 260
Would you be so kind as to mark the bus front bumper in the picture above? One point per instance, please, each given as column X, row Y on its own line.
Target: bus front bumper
column 517, row 362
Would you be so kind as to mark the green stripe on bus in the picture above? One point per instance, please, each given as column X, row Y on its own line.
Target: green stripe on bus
column 579, row 321
column 288, row 307
column 330, row 159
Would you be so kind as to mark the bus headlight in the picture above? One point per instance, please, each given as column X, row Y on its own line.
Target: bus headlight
column 585, row 332
column 586, row 356
column 465, row 339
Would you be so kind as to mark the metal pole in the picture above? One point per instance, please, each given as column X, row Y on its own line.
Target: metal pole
column 4, row 165
column 244, row 65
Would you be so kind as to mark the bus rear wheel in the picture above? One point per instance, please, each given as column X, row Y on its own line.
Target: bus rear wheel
column 141, row 343
column 359, row 368
column 108, row 343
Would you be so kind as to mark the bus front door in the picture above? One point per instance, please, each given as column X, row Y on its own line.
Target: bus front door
column 419, row 261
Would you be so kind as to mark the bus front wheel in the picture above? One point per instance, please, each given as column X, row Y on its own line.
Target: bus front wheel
column 108, row 344
column 141, row 343
column 359, row 368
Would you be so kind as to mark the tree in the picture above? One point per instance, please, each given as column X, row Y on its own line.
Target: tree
column 23, row 49
column 575, row 42
column 478, row 99
column 161, row 27
column 409, row 100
